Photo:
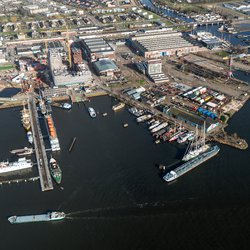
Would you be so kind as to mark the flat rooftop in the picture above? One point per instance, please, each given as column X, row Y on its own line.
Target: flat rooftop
column 153, row 42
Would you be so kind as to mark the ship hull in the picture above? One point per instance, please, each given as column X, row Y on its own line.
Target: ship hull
column 36, row 218
column 188, row 166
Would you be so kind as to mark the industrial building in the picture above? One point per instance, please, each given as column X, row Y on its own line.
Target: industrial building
column 95, row 48
column 153, row 69
column 164, row 43
column 191, row 119
column 106, row 67
column 34, row 9
column 62, row 76
column 208, row 40
column 55, row 45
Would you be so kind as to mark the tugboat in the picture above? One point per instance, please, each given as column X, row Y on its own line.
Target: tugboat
column 92, row 112
column 55, row 170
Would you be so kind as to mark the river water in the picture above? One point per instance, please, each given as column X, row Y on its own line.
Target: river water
column 112, row 192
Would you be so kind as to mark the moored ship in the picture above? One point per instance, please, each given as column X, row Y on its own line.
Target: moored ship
column 187, row 166
column 159, row 127
column 42, row 107
column 30, row 137
column 25, row 117
column 22, row 152
column 54, row 142
column 118, row 106
column 92, row 112
column 55, row 170
column 143, row 118
column 135, row 111
column 66, row 106
column 51, row 216
column 196, row 147
column 21, row 164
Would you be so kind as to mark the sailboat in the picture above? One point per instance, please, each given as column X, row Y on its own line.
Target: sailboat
column 197, row 146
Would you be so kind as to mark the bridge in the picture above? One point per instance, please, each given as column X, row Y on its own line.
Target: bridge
column 42, row 160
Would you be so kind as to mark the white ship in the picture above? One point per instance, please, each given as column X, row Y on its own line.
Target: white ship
column 92, row 112
column 154, row 124
column 162, row 125
column 183, row 138
column 66, row 105
column 51, row 216
column 196, row 147
column 30, row 137
column 143, row 118
column 21, row 164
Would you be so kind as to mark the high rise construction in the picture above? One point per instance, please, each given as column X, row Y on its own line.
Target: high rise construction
column 62, row 76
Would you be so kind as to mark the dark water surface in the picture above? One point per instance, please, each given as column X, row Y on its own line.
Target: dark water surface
column 113, row 195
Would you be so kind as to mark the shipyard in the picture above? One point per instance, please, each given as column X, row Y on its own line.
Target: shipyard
column 172, row 81
column 115, row 110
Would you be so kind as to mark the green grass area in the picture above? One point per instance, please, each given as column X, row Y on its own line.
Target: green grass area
column 141, row 82
column 186, row 8
column 222, row 53
column 6, row 67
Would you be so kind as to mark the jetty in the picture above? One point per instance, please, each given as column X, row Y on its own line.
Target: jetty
column 230, row 140
column 41, row 157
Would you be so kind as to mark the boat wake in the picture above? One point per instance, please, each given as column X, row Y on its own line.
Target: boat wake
column 137, row 210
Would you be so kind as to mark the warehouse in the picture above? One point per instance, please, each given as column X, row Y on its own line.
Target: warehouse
column 95, row 48
column 164, row 43
column 191, row 119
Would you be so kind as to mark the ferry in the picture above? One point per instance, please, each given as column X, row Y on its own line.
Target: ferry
column 118, row 106
column 92, row 112
column 187, row 166
column 51, row 216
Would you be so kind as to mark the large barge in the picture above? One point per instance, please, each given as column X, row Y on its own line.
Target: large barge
column 187, row 166
column 50, row 216
column 54, row 142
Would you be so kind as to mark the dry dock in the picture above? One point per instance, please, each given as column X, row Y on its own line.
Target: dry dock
column 42, row 160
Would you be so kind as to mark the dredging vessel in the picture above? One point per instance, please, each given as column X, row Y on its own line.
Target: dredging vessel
column 187, row 166
column 22, row 163
column 55, row 170
column 50, row 216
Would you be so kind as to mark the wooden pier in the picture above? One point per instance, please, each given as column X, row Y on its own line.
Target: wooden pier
column 42, row 160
